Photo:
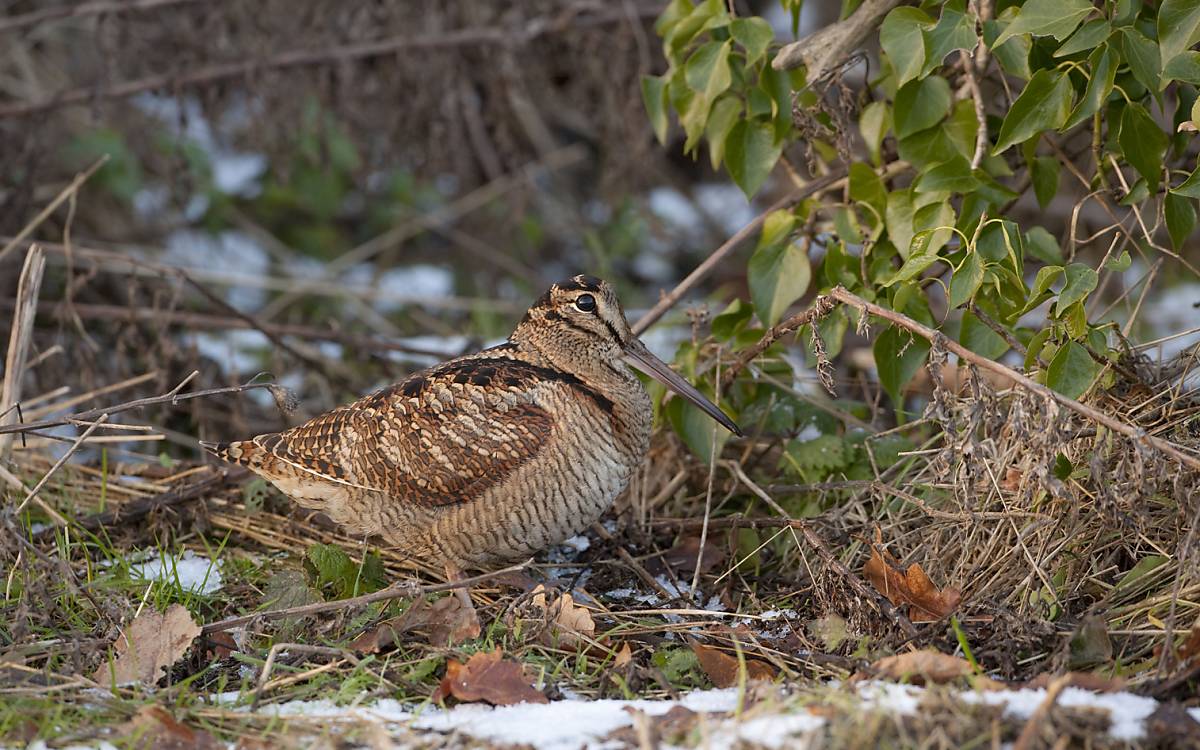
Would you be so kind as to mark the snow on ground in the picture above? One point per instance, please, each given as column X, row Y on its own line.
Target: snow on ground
column 574, row 723
column 191, row 571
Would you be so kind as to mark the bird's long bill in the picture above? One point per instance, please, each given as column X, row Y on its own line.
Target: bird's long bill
column 640, row 357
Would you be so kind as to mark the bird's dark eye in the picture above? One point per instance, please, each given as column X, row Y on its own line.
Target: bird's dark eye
column 585, row 303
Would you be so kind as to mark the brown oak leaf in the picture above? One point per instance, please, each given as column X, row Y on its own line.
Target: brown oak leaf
column 487, row 677
column 148, row 645
column 153, row 728
column 723, row 669
column 569, row 624
column 913, row 587
column 441, row 622
column 922, row 667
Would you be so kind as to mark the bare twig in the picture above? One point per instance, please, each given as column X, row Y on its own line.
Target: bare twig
column 33, row 493
column 821, row 51
column 1136, row 434
column 195, row 320
column 981, row 136
column 82, row 10
column 63, row 195
column 19, row 337
column 397, row 591
column 171, row 397
column 474, row 37
column 819, row 309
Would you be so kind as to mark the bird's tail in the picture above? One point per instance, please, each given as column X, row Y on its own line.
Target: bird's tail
column 242, row 452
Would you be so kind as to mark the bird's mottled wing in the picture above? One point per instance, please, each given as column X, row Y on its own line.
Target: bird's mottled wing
column 438, row 438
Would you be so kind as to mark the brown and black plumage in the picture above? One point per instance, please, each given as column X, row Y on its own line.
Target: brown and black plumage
column 488, row 457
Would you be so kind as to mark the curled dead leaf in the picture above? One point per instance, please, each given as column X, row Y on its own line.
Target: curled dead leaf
column 441, row 622
column 150, row 643
column 153, row 728
column 487, row 677
column 724, row 670
column 569, row 624
column 922, row 667
column 624, row 656
column 913, row 587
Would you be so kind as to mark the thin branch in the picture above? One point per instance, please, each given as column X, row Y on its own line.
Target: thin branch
column 397, row 591
column 819, row 309
column 82, row 10
column 474, row 37
column 981, row 136
column 714, row 259
column 1136, row 434
column 28, row 287
column 63, row 195
column 822, row 50
column 171, row 397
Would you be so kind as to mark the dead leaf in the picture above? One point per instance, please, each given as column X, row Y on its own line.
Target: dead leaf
column 913, row 587
column 569, row 624
column 723, row 669
column 682, row 557
column 1171, row 725
column 922, row 667
column 672, row 728
column 221, row 645
column 624, row 656
column 149, row 644
column 1012, row 479
column 153, row 728
column 487, row 677
column 442, row 622
column 1190, row 648
column 1086, row 680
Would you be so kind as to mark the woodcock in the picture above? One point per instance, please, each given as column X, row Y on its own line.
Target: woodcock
column 492, row 456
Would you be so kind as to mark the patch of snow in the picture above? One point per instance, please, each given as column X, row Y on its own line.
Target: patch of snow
column 191, row 571
column 890, row 696
column 1128, row 712
column 579, row 543
column 774, row 731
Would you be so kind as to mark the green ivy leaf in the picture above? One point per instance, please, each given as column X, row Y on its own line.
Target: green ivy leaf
column 1043, row 105
column 1142, row 56
column 779, row 271
column 1042, row 245
column 1081, row 280
column 867, row 187
column 1046, row 277
column 980, row 339
column 654, row 97
column 955, row 30
column 1088, row 37
column 966, row 279
column 1104, row 64
column 696, row 428
column 1056, row 18
column 1178, row 28
column 898, row 356
column 1143, row 143
column 1183, row 67
column 921, row 104
column 1181, row 218
column 1120, row 263
column 1044, row 170
column 1072, row 370
column 874, row 122
column 1012, row 54
column 952, row 176
column 754, row 34
column 918, row 260
column 1191, row 186
column 901, row 35
column 822, row 454
column 707, row 71
column 750, row 155
column 732, row 320
column 724, row 116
